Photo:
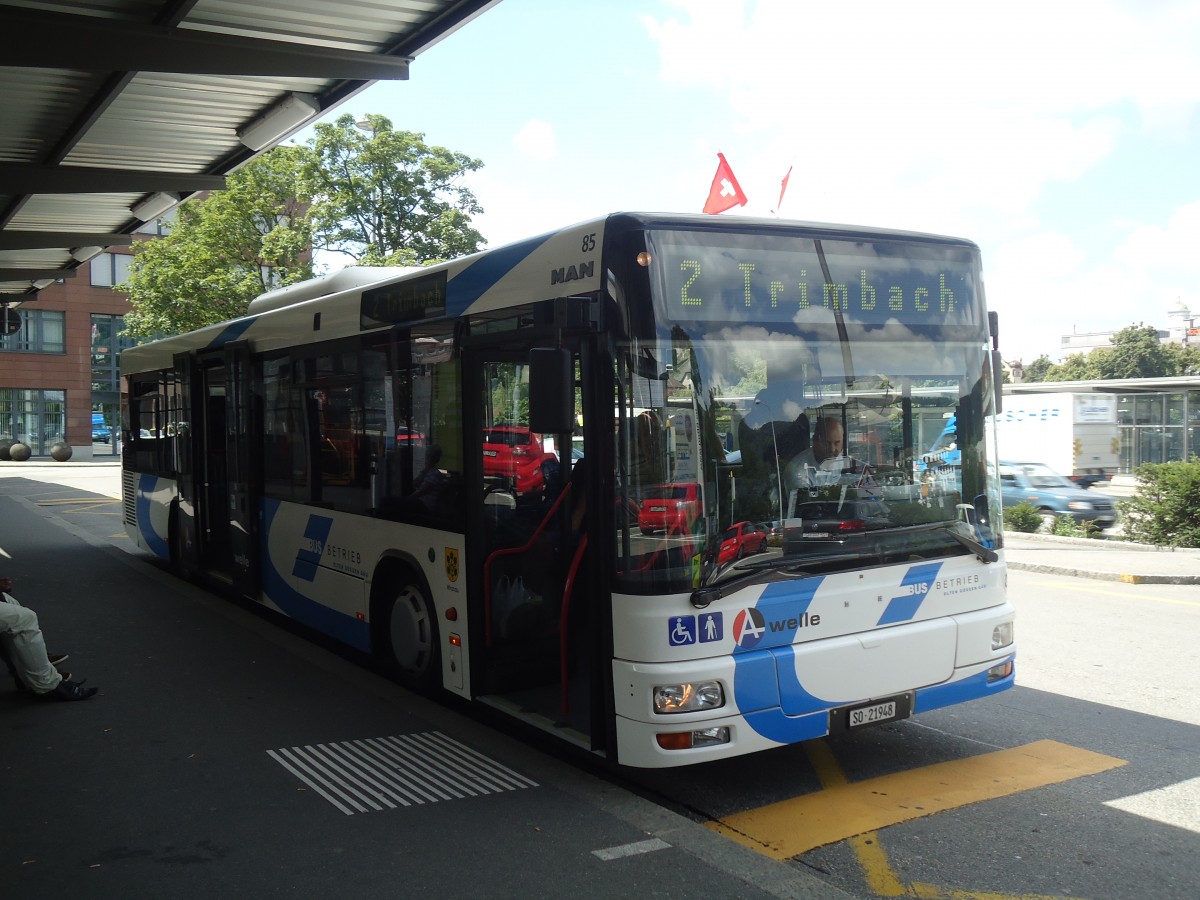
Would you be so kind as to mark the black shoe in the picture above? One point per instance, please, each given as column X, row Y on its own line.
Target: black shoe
column 70, row 690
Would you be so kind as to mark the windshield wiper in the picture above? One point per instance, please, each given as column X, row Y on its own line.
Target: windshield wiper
column 795, row 565
column 960, row 531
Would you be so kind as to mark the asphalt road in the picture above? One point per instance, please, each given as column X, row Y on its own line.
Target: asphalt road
column 1083, row 781
column 186, row 775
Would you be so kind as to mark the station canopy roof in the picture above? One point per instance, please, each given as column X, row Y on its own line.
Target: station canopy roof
column 113, row 111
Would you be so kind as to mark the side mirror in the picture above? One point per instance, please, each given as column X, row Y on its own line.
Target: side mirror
column 551, row 391
column 998, row 380
column 983, row 522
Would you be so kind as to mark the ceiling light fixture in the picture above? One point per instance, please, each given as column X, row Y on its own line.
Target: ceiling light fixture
column 83, row 254
column 154, row 205
column 281, row 119
column 43, row 283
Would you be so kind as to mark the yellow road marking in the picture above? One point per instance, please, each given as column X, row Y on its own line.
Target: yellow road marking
column 90, row 503
column 61, row 500
column 1125, row 595
column 933, row 892
column 842, row 810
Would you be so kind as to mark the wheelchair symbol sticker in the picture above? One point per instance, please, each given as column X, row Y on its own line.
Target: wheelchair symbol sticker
column 681, row 631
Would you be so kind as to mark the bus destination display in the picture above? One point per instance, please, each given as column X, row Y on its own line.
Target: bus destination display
column 761, row 284
column 404, row 301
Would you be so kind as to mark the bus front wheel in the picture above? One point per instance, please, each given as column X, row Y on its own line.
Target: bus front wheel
column 413, row 639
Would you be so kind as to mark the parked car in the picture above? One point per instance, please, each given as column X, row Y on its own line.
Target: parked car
column 407, row 437
column 514, row 452
column 818, row 522
column 100, row 432
column 772, row 528
column 670, row 508
column 1053, row 494
column 1087, row 479
column 739, row 539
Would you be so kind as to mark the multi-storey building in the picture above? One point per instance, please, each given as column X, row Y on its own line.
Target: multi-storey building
column 59, row 375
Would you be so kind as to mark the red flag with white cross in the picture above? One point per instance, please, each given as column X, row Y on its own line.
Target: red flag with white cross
column 725, row 192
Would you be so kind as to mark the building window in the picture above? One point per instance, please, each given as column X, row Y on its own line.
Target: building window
column 36, row 418
column 42, row 331
column 109, row 269
column 107, row 344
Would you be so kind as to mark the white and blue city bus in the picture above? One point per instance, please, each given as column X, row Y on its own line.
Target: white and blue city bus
column 347, row 454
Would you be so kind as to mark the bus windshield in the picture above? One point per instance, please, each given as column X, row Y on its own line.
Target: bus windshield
column 830, row 394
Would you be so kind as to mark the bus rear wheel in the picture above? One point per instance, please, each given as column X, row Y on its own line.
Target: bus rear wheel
column 413, row 649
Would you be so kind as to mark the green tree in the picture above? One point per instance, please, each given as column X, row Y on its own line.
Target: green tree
column 222, row 251
column 1073, row 368
column 1185, row 359
column 1039, row 368
column 1135, row 353
column 385, row 197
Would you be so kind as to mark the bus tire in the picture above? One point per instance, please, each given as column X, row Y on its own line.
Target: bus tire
column 411, row 636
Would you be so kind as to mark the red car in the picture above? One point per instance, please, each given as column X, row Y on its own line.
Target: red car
column 516, row 453
column 739, row 539
column 672, row 508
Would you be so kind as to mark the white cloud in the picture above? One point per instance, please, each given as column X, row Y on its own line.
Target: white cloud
column 536, row 140
column 1174, row 247
column 966, row 119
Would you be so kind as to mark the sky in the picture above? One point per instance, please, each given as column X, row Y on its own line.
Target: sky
column 1062, row 136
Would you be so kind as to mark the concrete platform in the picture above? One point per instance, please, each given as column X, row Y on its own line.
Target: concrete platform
column 1110, row 560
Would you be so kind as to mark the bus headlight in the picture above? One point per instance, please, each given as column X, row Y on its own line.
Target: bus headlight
column 688, row 697
column 1002, row 635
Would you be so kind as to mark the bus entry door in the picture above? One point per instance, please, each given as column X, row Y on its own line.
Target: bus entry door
column 524, row 534
column 242, row 446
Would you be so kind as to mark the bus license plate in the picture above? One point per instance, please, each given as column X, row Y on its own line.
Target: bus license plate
column 869, row 715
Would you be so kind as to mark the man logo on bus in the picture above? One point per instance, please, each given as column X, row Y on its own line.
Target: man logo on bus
column 748, row 628
column 452, row 563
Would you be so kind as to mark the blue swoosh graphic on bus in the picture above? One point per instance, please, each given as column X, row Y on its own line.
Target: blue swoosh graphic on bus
column 919, row 579
column 155, row 543
column 292, row 603
column 971, row 688
column 760, row 677
column 316, row 536
column 474, row 281
column 231, row 332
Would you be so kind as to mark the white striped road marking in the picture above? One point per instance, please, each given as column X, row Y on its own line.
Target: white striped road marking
column 636, row 849
column 1176, row 804
column 390, row 772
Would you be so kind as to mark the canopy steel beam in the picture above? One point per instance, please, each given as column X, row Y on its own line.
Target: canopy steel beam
column 34, row 274
column 52, row 240
column 30, row 178
column 94, row 44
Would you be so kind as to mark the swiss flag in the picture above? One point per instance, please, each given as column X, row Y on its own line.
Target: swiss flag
column 725, row 192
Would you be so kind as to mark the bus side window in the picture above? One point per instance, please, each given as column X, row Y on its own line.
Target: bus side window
column 646, row 453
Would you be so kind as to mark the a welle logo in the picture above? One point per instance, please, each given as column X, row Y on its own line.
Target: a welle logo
column 750, row 626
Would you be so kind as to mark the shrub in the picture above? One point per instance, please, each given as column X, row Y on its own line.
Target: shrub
column 1066, row 526
column 1165, row 507
column 1023, row 517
